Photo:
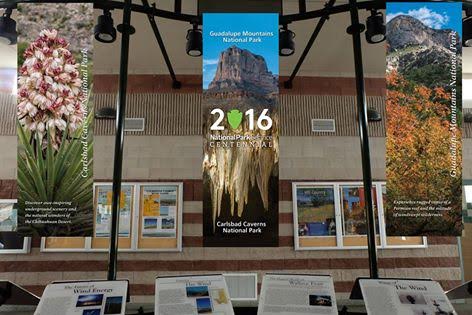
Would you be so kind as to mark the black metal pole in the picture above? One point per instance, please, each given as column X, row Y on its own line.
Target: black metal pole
column 355, row 30
column 289, row 83
column 126, row 30
column 302, row 6
column 178, row 6
column 175, row 83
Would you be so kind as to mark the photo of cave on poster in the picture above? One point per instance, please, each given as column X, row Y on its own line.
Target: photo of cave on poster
column 240, row 129
column 424, row 119
column 55, row 113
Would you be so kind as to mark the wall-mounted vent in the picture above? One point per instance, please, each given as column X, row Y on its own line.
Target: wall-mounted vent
column 323, row 125
column 134, row 124
column 242, row 286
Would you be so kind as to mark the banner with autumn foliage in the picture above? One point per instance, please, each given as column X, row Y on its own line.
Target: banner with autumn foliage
column 55, row 148
column 424, row 160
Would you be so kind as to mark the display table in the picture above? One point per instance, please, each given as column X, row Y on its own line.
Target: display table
column 463, row 307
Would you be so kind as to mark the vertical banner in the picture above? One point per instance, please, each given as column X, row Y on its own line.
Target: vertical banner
column 240, row 129
column 55, row 115
column 424, row 117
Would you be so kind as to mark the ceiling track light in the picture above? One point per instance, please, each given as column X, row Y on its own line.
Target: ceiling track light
column 8, row 34
column 286, row 42
column 376, row 29
column 194, row 46
column 373, row 115
column 467, row 29
column 105, row 113
column 105, row 31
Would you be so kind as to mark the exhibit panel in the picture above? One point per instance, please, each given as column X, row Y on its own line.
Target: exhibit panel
column 397, row 296
column 205, row 294
column 85, row 298
column 297, row 294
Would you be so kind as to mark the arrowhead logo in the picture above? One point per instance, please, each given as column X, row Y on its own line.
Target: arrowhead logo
column 235, row 117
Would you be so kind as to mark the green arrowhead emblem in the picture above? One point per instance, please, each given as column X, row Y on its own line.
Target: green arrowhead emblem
column 235, row 117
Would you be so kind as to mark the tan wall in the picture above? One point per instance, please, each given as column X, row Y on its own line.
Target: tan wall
column 163, row 158
column 303, row 157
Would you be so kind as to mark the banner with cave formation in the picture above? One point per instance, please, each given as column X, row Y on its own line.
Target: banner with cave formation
column 55, row 116
column 424, row 103
column 240, row 129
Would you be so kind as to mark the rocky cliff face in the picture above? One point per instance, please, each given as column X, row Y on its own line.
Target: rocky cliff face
column 240, row 70
column 242, row 81
column 411, row 45
column 406, row 31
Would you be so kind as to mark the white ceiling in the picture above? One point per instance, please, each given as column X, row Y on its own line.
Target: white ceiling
column 331, row 54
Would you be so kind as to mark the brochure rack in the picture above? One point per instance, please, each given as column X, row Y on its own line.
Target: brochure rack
column 13, row 294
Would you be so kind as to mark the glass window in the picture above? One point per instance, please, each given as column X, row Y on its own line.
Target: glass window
column 316, row 211
column 150, row 219
column 354, row 208
column 159, row 220
column 10, row 240
column 467, row 201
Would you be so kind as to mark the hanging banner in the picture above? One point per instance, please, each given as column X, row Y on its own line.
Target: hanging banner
column 240, row 129
column 424, row 119
column 55, row 113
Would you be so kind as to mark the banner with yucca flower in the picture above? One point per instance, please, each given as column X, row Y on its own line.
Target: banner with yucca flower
column 55, row 119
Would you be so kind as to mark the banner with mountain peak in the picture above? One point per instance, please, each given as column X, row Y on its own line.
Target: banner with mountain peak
column 240, row 129
column 424, row 116
column 55, row 116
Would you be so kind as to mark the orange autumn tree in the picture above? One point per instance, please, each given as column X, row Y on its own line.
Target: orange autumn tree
column 418, row 159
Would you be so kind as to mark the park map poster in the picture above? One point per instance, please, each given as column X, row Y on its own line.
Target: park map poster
column 424, row 103
column 240, row 129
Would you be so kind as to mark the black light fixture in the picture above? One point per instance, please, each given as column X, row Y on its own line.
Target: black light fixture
column 373, row 115
column 8, row 34
column 467, row 29
column 468, row 117
column 107, row 113
column 376, row 29
column 194, row 46
column 105, row 31
column 286, row 42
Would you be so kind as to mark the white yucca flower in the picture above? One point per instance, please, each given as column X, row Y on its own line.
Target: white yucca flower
column 49, row 94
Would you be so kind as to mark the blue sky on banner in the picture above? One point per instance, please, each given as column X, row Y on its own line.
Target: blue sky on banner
column 239, row 22
column 437, row 15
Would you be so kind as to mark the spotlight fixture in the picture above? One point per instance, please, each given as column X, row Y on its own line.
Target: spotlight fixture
column 467, row 29
column 286, row 42
column 468, row 118
column 373, row 115
column 8, row 34
column 104, row 31
column 375, row 28
column 194, row 45
column 108, row 113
